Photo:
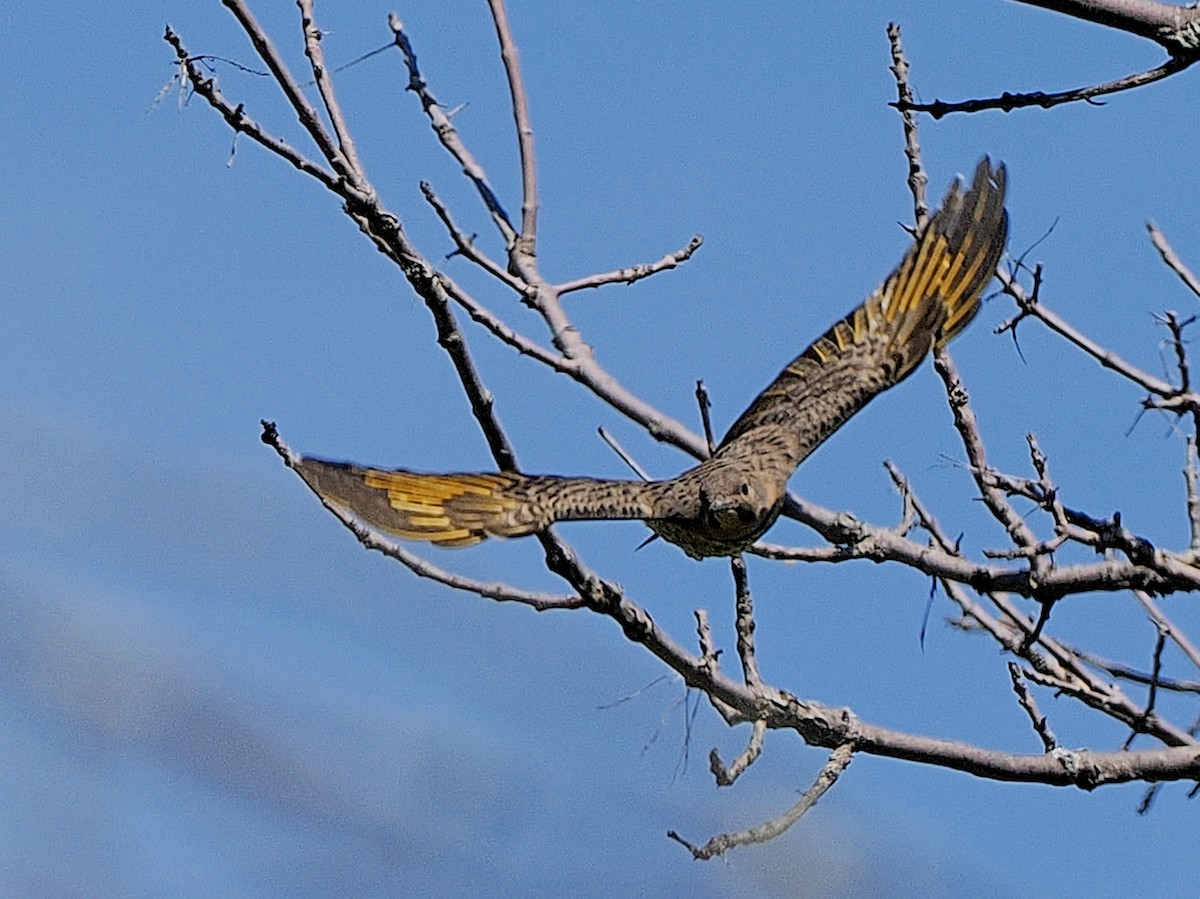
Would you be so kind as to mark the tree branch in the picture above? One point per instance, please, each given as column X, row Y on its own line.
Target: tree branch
column 525, row 250
column 719, row 845
column 1177, row 28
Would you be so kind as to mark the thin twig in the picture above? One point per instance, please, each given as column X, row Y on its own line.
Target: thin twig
column 632, row 273
column 856, row 540
column 1149, row 715
column 967, row 426
column 448, row 135
column 726, row 776
column 722, row 843
column 1174, row 263
column 236, row 118
column 908, row 512
column 1136, row 676
column 705, row 406
column 316, row 56
column 1032, row 306
column 625, row 457
column 524, row 250
column 1054, row 664
column 465, row 246
column 482, row 315
column 1029, row 704
column 917, row 179
column 709, row 653
column 1176, row 326
column 1191, row 475
column 1007, row 102
column 578, row 358
column 1167, row 626
column 305, row 111
column 710, row 660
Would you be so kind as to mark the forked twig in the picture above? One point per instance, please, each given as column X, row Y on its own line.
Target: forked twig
column 769, row 830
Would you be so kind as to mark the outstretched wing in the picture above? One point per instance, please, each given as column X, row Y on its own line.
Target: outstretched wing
column 462, row 509
column 931, row 296
column 726, row 502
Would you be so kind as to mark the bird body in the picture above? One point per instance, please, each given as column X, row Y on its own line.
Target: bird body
column 721, row 506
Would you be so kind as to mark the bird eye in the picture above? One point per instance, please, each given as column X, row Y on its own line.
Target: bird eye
column 745, row 489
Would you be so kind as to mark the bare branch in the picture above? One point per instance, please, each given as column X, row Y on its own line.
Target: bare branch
column 1176, row 326
column 1191, row 475
column 985, row 593
column 236, row 118
column 854, row 539
column 1167, row 626
column 525, row 250
column 745, row 648
column 721, row 844
column 621, row 452
column 578, row 358
column 1177, row 265
column 450, row 338
column 968, row 429
column 316, row 56
column 917, row 179
column 481, row 315
column 1032, row 306
column 726, row 776
column 1134, row 675
column 1007, row 102
column 448, row 134
column 908, row 516
column 709, row 659
column 465, row 246
column 1149, row 715
column 1177, row 28
column 632, row 273
column 1053, row 663
column 745, row 624
column 1029, row 704
column 305, row 111
column 820, row 725
column 705, row 406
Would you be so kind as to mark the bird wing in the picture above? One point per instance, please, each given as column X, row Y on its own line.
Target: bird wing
column 931, row 296
column 927, row 300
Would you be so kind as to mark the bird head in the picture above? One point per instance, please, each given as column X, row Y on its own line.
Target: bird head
column 718, row 510
column 732, row 503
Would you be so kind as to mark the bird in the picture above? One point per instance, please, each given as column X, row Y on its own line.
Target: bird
column 728, row 501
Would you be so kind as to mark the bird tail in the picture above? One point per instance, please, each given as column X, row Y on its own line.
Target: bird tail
column 464, row 509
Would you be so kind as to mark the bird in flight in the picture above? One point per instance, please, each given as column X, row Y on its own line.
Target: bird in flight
column 721, row 506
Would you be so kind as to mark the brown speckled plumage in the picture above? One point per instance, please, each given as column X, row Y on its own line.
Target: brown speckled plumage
column 728, row 501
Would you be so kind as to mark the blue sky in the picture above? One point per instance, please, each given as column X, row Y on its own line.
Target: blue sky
column 208, row 688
